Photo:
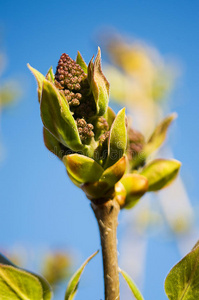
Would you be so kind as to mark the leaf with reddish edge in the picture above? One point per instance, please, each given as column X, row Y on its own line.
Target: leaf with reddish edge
column 135, row 186
column 82, row 168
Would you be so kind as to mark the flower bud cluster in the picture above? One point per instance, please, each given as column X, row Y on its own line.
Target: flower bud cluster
column 72, row 81
column 85, row 130
column 136, row 142
column 69, row 74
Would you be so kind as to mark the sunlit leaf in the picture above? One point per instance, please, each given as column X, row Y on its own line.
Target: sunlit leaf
column 21, row 283
column 96, row 189
column 114, row 173
column 160, row 173
column 52, row 144
column 74, row 282
column 80, row 61
column 110, row 116
column 99, row 84
column 40, row 79
column 117, row 139
column 134, row 289
column 136, row 186
column 57, row 118
column 82, row 168
column 50, row 75
column 182, row 282
column 159, row 134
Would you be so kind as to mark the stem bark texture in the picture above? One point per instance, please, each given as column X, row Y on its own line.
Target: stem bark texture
column 107, row 218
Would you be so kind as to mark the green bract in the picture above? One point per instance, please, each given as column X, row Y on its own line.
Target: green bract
column 102, row 154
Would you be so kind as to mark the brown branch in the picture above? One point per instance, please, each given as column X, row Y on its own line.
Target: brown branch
column 107, row 217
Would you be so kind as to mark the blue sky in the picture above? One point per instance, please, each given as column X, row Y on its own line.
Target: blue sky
column 39, row 205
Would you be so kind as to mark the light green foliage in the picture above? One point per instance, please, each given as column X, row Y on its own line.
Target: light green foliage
column 93, row 179
column 160, row 173
column 40, row 78
column 136, row 186
column 134, row 289
column 52, row 144
column 117, row 139
column 110, row 116
column 50, row 75
column 99, row 84
column 114, row 173
column 18, row 284
column 182, row 282
column 74, row 282
column 82, row 168
column 80, row 61
column 57, row 118
column 159, row 134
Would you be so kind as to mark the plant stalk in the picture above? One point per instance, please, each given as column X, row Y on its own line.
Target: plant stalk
column 107, row 218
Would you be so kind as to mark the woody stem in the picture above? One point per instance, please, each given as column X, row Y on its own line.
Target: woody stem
column 107, row 218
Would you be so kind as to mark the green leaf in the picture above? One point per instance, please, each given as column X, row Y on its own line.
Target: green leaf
column 96, row 189
column 134, row 289
column 159, row 135
column 110, row 116
column 57, row 118
column 117, row 139
column 40, row 79
column 160, row 173
column 114, row 173
column 136, row 186
column 52, row 144
column 99, row 85
column 16, row 284
column 50, row 75
column 74, row 282
column 108, row 179
column 182, row 282
column 82, row 168
column 137, row 294
column 80, row 61
column 46, row 288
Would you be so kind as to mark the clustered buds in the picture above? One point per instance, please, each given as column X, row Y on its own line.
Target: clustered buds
column 85, row 130
column 72, row 81
column 69, row 74
column 101, row 155
column 136, row 143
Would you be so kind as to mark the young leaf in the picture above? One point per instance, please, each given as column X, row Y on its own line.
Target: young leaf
column 99, row 85
column 80, row 61
column 114, row 173
column 82, row 168
column 74, row 282
column 96, row 189
column 50, row 75
column 52, row 144
column 160, row 173
column 134, row 289
column 19, row 281
column 40, row 79
column 110, row 116
column 135, row 186
column 57, row 118
column 159, row 134
column 117, row 139
column 182, row 282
